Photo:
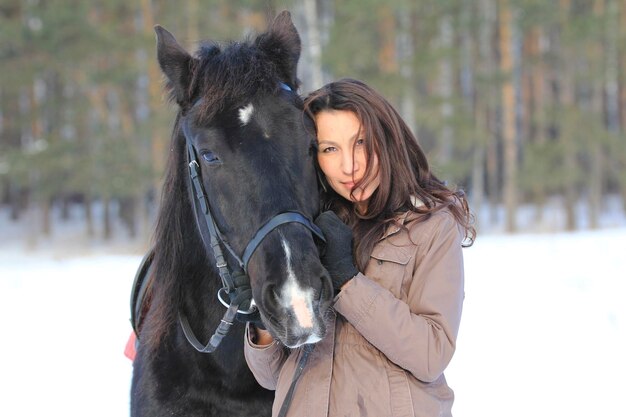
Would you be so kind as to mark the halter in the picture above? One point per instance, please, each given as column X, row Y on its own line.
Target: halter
column 235, row 281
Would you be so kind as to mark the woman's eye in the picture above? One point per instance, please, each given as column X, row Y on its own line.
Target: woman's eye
column 360, row 142
column 328, row 149
column 210, row 158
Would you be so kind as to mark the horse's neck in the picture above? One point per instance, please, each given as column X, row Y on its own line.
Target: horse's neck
column 202, row 307
column 199, row 295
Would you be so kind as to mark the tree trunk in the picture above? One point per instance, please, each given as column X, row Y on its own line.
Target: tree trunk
column 37, row 92
column 405, row 56
column 107, row 229
column 611, row 54
column 622, row 79
column 595, row 185
column 537, row 114
column 158, row 141
column 387, row 59
column 27, row 144
column 144, row 142
column 508, row 115
column 468, row 88
column 88, row 206
column 314, row 46
column 128, row 213
column 193, row 13
column 567, row 104
column 32, row 223
column 14, row 200
column 10, row 136
column 622, row 145
column 46, row 216
column 486, row 104
column 65, row 202
column 446, row 83
column 595, row 180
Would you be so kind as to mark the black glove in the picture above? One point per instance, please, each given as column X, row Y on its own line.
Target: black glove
column 337, row 256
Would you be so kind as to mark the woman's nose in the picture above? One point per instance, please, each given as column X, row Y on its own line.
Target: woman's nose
column 349, row 164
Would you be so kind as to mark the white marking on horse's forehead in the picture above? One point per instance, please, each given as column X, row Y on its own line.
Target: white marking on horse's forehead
column 294, row 297
column 245, row 114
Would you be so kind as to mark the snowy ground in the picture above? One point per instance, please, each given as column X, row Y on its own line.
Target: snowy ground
column 543, row 331
column 64, row 325
column 544, row 327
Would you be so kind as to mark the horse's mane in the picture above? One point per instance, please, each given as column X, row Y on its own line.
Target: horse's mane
column 222, row 79
column 175, row 244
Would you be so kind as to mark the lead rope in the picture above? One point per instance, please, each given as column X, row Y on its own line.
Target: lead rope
column 296, row 376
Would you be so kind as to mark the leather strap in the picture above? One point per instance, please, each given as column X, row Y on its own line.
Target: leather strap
column 221, row 331
column 306, row 350
column 140, row 287
column 282, row 218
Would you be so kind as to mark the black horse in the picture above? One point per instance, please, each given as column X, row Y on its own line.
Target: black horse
column 241, row 135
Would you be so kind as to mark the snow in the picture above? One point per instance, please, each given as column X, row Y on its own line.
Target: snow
column 544, row 326
column 64, row 325
column 543, row 330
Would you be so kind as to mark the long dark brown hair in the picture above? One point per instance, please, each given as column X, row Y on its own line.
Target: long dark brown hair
column 403, row 169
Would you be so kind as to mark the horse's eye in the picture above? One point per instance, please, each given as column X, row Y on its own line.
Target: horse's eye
column 210, row 158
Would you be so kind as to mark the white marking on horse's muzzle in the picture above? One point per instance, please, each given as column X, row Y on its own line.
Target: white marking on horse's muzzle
column 294, row 297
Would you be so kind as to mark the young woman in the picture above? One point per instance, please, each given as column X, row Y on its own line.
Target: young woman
column 394, row 237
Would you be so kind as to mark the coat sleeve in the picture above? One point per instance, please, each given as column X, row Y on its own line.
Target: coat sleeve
column 265, row 362
column 418, row 335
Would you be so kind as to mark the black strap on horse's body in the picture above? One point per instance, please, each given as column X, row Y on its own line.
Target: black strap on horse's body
column 140, row 288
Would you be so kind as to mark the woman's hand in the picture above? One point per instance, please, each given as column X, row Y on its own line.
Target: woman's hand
column 261, row 337
column 337, row 257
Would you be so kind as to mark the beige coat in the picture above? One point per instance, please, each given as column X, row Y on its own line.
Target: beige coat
column 395, row 333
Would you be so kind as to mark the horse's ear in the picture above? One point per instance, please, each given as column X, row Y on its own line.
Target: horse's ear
column 175, row 62
column 282, row 43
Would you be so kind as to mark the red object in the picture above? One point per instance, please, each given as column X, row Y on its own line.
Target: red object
column 129, row 350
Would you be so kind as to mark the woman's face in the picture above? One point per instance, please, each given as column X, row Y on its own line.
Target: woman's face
column 342, row 156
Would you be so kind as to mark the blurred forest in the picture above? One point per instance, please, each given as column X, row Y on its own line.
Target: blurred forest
column 519, row 102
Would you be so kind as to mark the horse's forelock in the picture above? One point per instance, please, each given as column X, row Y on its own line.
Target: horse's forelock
column 229, row 78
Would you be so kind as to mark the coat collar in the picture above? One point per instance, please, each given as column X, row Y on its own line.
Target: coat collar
column 395, row 227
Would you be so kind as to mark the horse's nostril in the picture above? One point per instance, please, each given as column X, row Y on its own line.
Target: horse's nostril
column 270, row 297
column 326, row 292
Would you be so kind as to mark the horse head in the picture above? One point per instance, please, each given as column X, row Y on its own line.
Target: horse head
column 241, row 121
